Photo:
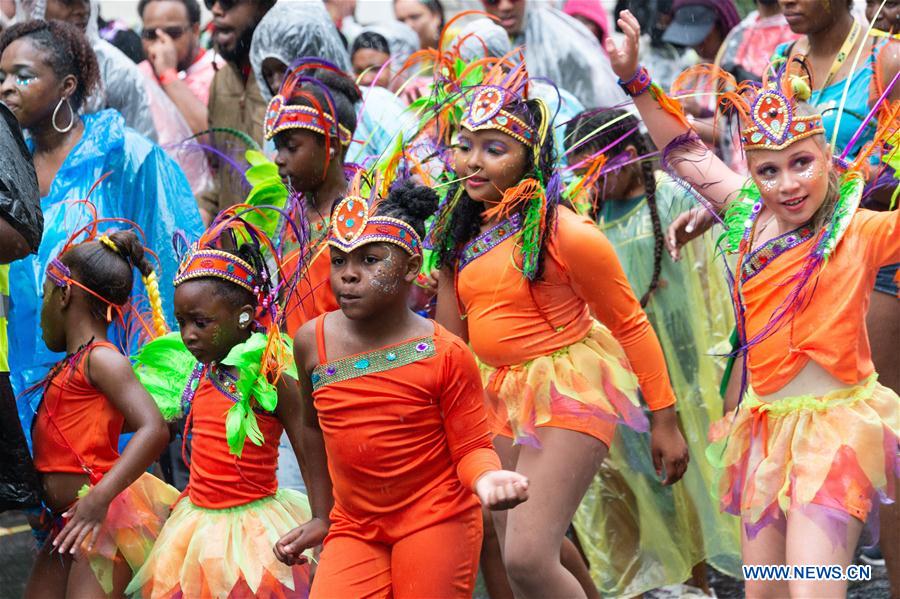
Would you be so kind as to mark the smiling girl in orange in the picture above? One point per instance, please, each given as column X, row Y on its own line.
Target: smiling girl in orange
column 815, row 438
column 526, row 280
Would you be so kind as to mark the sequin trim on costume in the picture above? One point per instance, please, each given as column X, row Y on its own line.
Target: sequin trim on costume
column 373, row 362
column 226, row 384
column 764, row 254
column 489, row 239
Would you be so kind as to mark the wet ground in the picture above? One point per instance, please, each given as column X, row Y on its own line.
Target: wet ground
column 16, row 549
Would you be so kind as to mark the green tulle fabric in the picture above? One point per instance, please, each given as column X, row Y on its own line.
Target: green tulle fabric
column 637, row 534
column 165, row 367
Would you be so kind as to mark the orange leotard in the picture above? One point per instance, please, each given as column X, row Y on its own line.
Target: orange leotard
column 511, row 321
column 405, row 433
column 76, row 428
column 831, row 328
column 219, row 479
column 313, row 295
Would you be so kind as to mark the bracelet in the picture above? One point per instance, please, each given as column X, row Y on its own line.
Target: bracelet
column 167, row 77
column 638, row 84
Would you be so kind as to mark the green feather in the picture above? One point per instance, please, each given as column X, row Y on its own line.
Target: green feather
column 737, row 217
column 267, row 190
column 164, row 366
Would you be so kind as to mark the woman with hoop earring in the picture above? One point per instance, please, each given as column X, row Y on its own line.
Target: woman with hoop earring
column 47, row 69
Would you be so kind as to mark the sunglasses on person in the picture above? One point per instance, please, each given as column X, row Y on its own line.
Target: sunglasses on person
column 226, row 5
column 173, row 32
column 496, row 2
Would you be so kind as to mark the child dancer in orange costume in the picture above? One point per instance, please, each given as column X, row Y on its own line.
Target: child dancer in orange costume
column 397, row 403
column 523, row 280
column 110, row 510
column 226, row 374
column 814, row 441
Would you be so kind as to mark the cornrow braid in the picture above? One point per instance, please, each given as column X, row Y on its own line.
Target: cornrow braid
column 649, row 177
column 151, row 283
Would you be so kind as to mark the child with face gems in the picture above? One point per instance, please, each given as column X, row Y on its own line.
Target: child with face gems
column 526, row 280
column 815, row 438
column 232, row 377
column 102, row 511
column 396, row 403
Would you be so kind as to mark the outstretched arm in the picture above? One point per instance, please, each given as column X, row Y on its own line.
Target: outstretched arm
column 719, row 183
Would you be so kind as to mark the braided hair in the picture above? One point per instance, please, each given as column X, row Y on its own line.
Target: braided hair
column 465, row 218
column 589, row 121
column 105, row 267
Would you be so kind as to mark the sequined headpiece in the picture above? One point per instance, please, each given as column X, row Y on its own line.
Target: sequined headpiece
column 775, row 124
column 486, row 111
column 281, row 116
column 354, row 224
column 202, row 262
column 318, row 114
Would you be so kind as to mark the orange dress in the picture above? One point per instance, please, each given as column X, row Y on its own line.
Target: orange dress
column 312, row 295
column 76, row 430
column 218, row 541
column 834, row 450
column 406, row 438
column 547, row 361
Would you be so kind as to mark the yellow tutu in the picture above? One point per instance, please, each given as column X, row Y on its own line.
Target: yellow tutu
column 226, row 553
column 587, row 387
column 835, row 451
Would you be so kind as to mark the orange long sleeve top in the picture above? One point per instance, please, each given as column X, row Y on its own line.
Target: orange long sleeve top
column 405, row 432
column 831, row 328
column 512, row 321
column 219, row 479
column 76, row 426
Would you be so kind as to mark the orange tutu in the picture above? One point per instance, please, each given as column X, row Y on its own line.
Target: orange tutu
column 133, row 521
column 588, row 387
column 225, row 553
column 836, row 451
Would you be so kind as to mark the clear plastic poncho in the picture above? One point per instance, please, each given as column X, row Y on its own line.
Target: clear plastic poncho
column 402, row 40
column 122, row 85
column 637, row 534
column 144, row 186
column 295, row 29
column 561, row 49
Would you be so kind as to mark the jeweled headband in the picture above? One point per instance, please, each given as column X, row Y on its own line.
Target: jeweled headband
column 281, row 116
column 775, row 126
column 207, row 262
column 486, row 112
column 353, row 227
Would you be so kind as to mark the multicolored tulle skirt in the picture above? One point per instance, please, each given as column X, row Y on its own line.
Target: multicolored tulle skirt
column 836, row 453
column 133, row 522
column 225, row 553
column 587, row 387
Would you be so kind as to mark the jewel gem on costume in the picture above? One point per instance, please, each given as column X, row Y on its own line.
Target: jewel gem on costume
column 775, row 125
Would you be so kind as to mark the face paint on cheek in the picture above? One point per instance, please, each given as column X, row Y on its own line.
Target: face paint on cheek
column 812, row 171
column 385, row 279
column 767, row 186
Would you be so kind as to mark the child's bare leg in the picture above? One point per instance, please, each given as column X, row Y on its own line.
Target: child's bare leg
column 809, row 544
column 83, row 583
column 48, row 575
column 766, row 548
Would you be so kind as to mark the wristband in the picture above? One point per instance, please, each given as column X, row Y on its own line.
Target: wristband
column 638, row 84
column 167, row 77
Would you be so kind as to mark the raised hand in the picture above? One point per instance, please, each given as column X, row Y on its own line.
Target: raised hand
column 289, row 548
column 624, row 57
column 687, row 226
column 501, row 489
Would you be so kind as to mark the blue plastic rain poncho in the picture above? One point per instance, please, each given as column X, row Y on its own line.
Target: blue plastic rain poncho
column 121, row 83
column 144, row 185
column 296, row 29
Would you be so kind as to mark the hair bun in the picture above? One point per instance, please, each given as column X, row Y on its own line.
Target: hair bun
column 418, row 201
column 129, row 246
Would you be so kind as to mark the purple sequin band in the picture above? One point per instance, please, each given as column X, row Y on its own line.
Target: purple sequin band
column 490, row 239
column 767, row 252
column 59, row 273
